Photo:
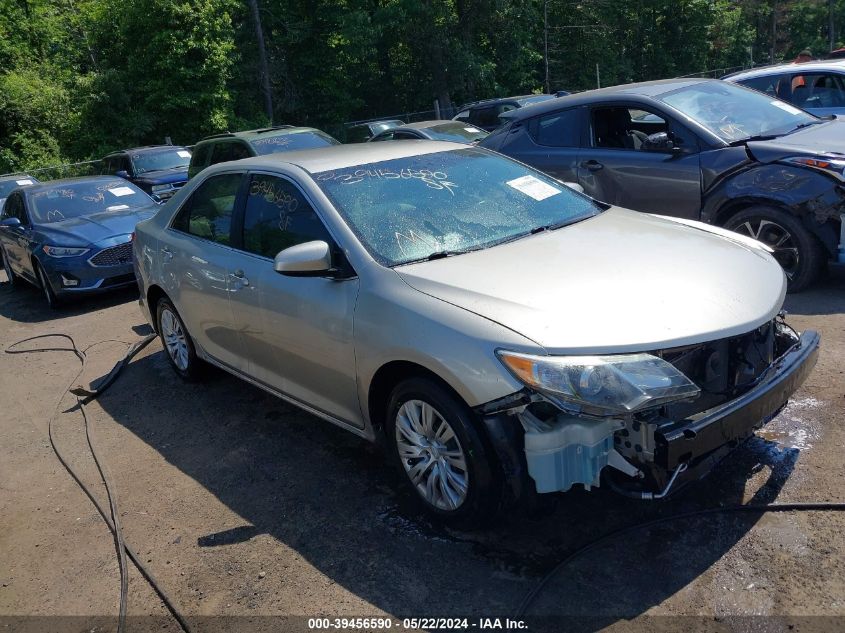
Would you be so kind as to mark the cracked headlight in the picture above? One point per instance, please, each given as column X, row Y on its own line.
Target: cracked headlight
column 601, row 385
column 64, row 251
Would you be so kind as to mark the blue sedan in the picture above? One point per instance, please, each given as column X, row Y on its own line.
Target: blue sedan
column 72, row 236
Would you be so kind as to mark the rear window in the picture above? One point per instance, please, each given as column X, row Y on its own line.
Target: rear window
column 289, row 141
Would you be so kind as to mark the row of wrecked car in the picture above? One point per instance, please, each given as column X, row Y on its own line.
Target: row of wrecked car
column 500, row 333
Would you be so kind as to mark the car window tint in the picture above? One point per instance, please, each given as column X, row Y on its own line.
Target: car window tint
column 624, row 128
column 486, row 117
column 208, row 211
column 768, row 84
column 277, row 216
column 14, row 208
column 820, row 90
column 405, row 135
column 462, row 116
column 200, row 156
column 384, row 136
column 560, row 129
column 228, row 151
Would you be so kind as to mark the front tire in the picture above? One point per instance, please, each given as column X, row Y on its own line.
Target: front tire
column 176, row 341
column 796, row 249
column 438, row 451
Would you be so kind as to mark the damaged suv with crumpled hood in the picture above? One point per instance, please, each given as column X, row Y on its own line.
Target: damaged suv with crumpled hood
column 503, row 334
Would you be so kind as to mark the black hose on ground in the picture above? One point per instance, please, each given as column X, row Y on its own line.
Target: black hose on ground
column 531, row 596
column 111, row 519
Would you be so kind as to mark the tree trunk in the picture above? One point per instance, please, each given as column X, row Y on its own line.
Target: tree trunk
column 263, row 70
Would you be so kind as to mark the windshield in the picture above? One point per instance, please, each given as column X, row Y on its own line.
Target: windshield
column 175, row 158
column 409, row 209
column 735, row 114
column 458, row 132
column 75, row 199
column 288, row 141
column 8, row 186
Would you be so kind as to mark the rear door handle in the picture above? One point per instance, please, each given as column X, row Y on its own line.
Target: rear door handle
column 592, row 165
column 167, row 253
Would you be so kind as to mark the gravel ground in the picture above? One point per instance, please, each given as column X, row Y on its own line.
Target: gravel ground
column 244, row 506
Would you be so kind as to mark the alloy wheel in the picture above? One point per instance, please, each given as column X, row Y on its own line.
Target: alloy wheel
column 432, row 455
column 174, row 339
column 776, row 237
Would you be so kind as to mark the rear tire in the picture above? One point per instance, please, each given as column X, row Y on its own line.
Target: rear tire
column 177, row 343
column 434, row 444
column 797, row 250
column 14, row 280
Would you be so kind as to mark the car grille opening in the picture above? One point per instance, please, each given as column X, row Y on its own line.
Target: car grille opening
column 723, row 369
column 115, row 256
column 120, row 280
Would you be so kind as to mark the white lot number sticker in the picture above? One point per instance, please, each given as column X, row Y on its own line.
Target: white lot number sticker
column 121, row 191
column 183, row 154
column 472, row 130
column 23, row 182
column 786, row 107
column 117, row 207
column 534, row 187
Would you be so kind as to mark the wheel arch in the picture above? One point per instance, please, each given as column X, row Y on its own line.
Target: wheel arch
column 155, row 294
column 385, row 380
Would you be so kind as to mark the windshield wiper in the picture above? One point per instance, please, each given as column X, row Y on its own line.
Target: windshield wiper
column 436, row 255
column 756, row 137
column 801, row 126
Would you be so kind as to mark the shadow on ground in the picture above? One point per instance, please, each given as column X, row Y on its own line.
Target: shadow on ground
column 26, row 304
column 329, row 495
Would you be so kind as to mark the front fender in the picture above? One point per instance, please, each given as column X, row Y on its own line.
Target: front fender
column 818, row 200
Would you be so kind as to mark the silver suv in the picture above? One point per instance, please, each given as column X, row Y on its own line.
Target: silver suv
column 505, row 335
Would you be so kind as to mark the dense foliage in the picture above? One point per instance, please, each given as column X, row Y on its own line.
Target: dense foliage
column 79, row 78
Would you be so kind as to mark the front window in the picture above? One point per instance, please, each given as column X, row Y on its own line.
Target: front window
column 177, row 158
column 420, row 207
column 68, row 200
column 736, row 114
column 288, row 141
column 458, row 132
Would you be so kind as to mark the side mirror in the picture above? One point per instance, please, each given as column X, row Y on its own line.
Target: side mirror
column 122, row 174
column 10, row 222
column 311, row 259
column 659, row 142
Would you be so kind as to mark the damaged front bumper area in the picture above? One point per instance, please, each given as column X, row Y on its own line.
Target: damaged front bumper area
column 646, row 454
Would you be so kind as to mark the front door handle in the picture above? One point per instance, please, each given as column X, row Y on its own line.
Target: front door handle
column 592, row 165
column 239, row 275
column 167, row 253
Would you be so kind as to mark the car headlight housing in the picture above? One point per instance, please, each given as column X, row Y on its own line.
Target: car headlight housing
column 64, row 251
column 160, row 188
column 830, row 165
column 609, row 385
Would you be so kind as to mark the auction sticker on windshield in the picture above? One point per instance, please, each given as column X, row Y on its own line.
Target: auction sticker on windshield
column 534, row 187
column 786, row 107
column 183, row 154
column 23, row 182
column 121, row 191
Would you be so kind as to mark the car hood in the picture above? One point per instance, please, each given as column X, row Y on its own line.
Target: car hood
column 618, row 282
column 163, row 176
column 91, row 229
column 822, row 138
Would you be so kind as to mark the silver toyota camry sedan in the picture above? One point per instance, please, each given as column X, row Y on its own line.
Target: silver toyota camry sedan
column 504, row 335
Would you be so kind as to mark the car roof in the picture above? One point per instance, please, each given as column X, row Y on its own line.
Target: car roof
column 143, row 149
column 422, row 125
column 263, row 132
column 379, row 122
column 343, row 156
column 763, row 71
column 643, row 91
column 52, row 184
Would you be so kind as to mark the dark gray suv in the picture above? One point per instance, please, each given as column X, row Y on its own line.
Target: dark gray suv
column 698, row 149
